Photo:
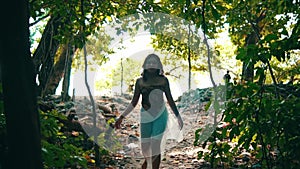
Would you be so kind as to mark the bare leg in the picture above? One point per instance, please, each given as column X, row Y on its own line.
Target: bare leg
column 144, row 166
column 156, row 153
column 146, row 153
column 156, row 161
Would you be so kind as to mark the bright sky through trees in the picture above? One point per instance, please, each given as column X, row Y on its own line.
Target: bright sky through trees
column 136, row 49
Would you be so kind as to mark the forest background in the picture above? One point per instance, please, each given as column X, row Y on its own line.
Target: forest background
column 262, row 106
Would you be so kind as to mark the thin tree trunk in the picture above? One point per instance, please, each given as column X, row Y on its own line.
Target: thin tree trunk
column 67, row 74
column 122, row 76
column 20, row 102
column 189, row 58
column 96, row 146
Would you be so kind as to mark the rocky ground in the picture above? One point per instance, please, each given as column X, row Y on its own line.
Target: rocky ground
column 123, row 144
column 177, row 155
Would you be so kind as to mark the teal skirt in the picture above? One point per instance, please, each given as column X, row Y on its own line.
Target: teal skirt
column 153, row 126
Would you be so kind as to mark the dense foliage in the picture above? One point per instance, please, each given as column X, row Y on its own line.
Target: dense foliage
column 261, row 114
column 65, row 144
column 262, row 120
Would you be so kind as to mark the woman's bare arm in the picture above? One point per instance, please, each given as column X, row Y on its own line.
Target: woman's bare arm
column 134, row 100
column 131, row 106
column 172, row 103
column 170, row 98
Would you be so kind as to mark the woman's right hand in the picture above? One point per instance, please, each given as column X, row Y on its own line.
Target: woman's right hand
column 118, row 122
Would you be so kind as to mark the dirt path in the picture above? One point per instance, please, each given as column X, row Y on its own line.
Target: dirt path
column 179, row 155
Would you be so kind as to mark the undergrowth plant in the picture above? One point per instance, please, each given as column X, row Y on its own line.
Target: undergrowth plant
column 60, row 149
column 259, row 119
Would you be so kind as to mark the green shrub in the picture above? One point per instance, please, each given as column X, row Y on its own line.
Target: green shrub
column 262, row 120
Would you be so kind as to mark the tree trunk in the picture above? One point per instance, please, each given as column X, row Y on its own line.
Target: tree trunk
column 252, row 39
column 58, row 72
column 189, row 58
column 248, row 67
column 67, row 74
column 18, row 77
column 122, row 76
column 248, row 71
column 44, row 55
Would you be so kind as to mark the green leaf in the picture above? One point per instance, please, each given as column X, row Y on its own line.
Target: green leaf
column 200, row 154
column 219, row 6
column 215, row 13
column 241, row 54
column 284, row 31
column 270, row 37
column 226, row 147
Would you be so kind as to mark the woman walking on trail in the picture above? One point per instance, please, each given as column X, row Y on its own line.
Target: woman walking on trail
column 154, row 115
